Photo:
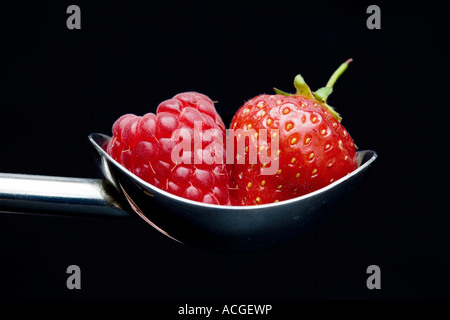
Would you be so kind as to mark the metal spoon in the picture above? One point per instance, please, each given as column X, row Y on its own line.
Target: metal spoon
column 211, row 227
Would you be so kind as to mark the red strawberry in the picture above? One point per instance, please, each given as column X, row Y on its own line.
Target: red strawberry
column 314, row 149
column 179, row 149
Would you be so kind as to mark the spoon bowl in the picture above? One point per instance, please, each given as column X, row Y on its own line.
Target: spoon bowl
column 228, row 228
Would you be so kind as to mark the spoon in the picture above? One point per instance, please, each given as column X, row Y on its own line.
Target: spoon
column 206, row 226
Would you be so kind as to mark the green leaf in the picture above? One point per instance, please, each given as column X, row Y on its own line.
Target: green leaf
column 278, row 91
column 333, row 112
column 322, row 94
column 302, row 87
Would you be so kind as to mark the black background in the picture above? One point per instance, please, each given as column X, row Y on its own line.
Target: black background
column 59, row 85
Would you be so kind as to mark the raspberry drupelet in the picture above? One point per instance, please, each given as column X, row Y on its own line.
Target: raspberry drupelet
column 180, row 149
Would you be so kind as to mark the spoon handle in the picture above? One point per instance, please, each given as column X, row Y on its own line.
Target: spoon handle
column 21, row 193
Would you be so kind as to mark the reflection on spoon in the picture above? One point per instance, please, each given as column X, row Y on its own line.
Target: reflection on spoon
column 228, row 228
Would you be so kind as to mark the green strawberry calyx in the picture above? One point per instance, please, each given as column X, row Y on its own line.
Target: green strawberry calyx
column 322, row 94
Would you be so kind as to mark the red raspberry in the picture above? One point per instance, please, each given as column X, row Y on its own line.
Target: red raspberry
column 180, row 149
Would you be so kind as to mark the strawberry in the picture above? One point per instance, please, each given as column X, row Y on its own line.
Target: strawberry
column 301, row 135
column 179, row 149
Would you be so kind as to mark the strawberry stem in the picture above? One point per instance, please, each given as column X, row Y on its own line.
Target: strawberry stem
column 323, row 93
column 338, row 73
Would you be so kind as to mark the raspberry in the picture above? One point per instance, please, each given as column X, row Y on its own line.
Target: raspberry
column 180, row 149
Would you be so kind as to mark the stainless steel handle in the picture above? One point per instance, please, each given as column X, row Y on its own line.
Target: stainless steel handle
column 20, row 193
